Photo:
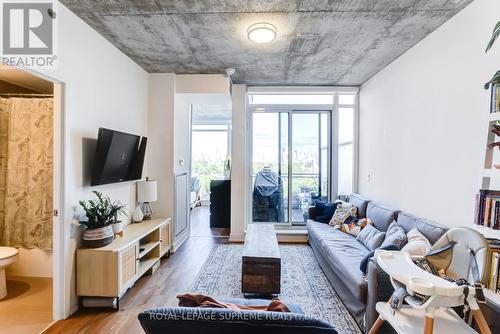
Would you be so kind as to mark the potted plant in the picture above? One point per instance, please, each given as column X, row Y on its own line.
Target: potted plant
column 100, row 214
column 495, row 80
column 494, row 36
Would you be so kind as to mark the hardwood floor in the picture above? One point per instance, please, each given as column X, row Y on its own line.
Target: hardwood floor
column 175, row 275
column 200, row 224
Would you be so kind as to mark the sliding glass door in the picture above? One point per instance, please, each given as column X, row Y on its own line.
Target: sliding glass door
column 310, row 161
column 270, row 167
column 290, row 163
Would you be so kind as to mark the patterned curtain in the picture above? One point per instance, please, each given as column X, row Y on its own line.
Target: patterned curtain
column 26, row 171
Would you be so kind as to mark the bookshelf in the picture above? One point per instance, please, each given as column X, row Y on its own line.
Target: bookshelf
column 490, row 176
column 487, row 232
column 490, row 180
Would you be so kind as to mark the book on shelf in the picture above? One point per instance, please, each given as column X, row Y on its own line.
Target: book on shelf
column 487, row 208
column 493, row 281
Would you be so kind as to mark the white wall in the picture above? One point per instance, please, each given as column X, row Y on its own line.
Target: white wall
column 170, row 97
column 423, row 120
column 103, row 88
column 32, row 263
column 239, row 168
column 161, row 139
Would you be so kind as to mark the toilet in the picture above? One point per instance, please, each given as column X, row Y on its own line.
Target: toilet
column 8, row 255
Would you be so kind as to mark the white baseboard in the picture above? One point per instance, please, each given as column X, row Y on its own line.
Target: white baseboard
column 237, row 237
column 179, row 240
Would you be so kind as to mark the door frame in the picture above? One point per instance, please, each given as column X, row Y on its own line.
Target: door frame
column 329, row 156
column 60, row 286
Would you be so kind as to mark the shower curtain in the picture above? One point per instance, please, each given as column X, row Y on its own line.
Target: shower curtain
column 26, row 161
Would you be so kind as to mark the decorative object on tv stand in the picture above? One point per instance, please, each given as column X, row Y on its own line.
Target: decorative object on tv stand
column 147, row 192
column 100, row 215
column 137, row 216
column 118, row 228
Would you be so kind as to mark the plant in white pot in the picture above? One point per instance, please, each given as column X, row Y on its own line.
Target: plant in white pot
column 100, row 214
column 495, row 80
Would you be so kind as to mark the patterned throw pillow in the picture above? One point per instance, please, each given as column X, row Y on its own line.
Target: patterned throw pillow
column 342, row 213
column 354, row 226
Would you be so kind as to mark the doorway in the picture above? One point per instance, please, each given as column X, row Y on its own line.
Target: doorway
column 31, row 113
column 210, row 168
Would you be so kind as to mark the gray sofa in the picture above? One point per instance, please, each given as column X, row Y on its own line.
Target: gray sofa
column 339, row 255
column 187, row 320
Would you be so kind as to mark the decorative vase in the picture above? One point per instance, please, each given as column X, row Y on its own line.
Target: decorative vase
column 137, row 216
column 98, row 237
column 117, row 228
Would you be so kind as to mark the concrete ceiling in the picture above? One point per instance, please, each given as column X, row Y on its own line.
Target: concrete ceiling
column 320, row 42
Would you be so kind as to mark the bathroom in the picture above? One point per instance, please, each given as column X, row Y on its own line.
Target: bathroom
column 26, row 202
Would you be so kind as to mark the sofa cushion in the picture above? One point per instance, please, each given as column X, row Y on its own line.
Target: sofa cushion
column 360, row 203
column 381, row 215
column 371, row 237
column 343, row 253
column 431, row 230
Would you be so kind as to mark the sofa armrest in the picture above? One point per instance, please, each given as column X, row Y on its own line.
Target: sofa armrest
column 379, row 289
column 313, row 213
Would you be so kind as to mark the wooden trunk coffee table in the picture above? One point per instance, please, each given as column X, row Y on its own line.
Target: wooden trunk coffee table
column 261, row 262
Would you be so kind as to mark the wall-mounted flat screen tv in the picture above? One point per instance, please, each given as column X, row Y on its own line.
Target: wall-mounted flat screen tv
column 119, row 157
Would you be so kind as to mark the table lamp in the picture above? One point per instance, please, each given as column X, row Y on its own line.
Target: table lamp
column 147, row 193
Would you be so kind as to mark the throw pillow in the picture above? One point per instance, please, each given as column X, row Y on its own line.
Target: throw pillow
column 353, row 225
column 417, row 245
column 364, row 262
column 325, row 211
column 395, row 235
column 371, row 237
column 342, row 213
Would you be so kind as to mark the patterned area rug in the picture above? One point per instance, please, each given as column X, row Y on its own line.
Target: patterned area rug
column 302, row 282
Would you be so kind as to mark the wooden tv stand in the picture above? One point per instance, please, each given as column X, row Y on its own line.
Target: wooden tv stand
column 111, row 270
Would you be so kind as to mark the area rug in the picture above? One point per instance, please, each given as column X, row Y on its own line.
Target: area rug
column 302, row 282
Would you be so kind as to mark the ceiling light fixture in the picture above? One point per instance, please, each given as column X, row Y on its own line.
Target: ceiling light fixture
column 262, row 32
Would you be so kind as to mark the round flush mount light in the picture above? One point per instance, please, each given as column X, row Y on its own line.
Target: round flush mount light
column 262, row 32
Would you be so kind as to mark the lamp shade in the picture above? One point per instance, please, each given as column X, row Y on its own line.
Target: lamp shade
column 147, row 191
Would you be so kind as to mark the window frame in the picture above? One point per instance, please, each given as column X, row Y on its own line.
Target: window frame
column 333, row 132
